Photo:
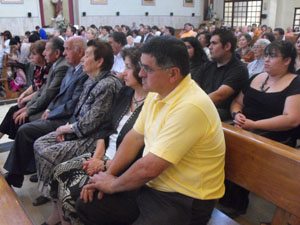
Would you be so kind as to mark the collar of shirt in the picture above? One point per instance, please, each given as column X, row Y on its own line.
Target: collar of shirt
column 77, row 67
column 172, row 96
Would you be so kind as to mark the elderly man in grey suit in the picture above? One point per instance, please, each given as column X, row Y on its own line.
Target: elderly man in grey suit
column 34, row 109
column 57, row 113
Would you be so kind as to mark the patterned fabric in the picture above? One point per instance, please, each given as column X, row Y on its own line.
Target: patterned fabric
column 40, row 76
column 91, row 113
column 69, row 179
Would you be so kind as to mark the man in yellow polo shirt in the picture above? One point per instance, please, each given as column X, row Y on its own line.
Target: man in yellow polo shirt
column 181, row 173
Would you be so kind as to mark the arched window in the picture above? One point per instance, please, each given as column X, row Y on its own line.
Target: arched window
column 242, row 12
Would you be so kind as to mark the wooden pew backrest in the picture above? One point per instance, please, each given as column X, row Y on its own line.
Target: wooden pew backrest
column 265, row 167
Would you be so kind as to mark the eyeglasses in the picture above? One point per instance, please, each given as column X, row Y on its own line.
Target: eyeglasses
column 272, row 55
column 147, row 69
column 257, row 47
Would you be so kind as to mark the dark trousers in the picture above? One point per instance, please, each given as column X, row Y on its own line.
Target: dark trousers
column 236, row 197
column 116, row 209
column 21, row 153
column 8, row 125
column 146, row 207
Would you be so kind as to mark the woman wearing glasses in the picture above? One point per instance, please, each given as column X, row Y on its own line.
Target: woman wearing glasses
column 268, row 106
column 258, row 65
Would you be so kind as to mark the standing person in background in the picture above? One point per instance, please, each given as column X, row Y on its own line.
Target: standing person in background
column 41, row 32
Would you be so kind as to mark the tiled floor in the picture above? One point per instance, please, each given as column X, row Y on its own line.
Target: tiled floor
column 258, row 211
column 28, row 192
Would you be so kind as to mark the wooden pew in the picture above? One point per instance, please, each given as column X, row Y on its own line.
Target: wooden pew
column 11, row 209
column 267, row 168
column 9, row 94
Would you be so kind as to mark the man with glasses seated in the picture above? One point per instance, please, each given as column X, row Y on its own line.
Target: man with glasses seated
column 224, row 76
column 181, row 173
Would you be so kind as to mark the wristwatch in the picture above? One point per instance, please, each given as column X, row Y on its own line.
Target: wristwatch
column 233, row 114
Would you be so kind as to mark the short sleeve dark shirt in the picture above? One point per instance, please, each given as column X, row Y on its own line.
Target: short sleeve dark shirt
column 210, row 78
column 262, row 105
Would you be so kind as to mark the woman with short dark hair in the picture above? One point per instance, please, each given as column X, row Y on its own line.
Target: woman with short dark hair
column 92, row 111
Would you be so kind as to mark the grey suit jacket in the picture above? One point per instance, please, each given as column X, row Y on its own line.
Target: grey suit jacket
column 48, row 91
column 63, row 105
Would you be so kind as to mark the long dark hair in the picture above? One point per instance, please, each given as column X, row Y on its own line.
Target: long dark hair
column 199, row 56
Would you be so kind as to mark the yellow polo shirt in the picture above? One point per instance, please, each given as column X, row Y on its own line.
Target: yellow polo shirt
column 184, row 129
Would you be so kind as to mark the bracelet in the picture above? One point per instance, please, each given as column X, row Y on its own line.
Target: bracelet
column 233, row 114
column 104, row 164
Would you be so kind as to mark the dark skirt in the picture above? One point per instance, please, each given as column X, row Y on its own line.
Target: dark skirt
column 8, row 125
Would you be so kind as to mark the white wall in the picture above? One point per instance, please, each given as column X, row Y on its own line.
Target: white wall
column 133, row 10
column 13, row 17
column 285, row 13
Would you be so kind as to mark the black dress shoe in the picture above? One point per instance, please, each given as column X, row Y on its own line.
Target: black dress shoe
column 15, row 180
column 33, row 178
column 40, row 200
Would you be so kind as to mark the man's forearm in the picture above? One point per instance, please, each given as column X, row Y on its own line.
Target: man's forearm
column 127, row 151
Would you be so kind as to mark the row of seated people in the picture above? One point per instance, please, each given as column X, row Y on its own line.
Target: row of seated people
column 79, row 132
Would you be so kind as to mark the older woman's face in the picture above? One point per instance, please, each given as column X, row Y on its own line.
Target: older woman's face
column 129, row 78
column 298, row 45
column 243, row 43
column 36, row 58
column 90, row 66
column 258, row 50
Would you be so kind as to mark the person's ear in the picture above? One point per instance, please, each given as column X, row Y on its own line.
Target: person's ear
column 227, row 46
column 287, row 61
column 100, row 62
column 174, row 73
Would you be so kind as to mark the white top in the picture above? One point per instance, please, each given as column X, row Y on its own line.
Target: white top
column 137, row 39
column 119, row 64
column 206, row 50
column 112, row 147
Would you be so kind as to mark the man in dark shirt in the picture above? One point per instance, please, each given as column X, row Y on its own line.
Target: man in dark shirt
column 223, row 77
